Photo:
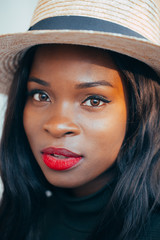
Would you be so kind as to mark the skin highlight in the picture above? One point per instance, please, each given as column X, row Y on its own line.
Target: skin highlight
column 62, row 111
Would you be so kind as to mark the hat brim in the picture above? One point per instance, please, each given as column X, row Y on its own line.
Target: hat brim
column 13, row 45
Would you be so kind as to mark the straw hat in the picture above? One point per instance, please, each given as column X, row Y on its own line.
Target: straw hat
column 131, row 27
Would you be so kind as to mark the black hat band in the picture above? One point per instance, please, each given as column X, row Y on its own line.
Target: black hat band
column 83, row 23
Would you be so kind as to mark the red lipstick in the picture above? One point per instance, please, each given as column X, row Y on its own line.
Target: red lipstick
column 60, row 159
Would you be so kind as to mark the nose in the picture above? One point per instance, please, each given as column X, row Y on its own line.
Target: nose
column 61, row 126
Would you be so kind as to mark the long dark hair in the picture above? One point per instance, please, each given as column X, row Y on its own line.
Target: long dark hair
column 136, row 193
column 24, row 191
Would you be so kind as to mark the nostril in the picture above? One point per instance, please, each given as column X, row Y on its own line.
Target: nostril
column 69, row 133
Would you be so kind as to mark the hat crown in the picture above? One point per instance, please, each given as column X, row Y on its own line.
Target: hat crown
column 140, row 16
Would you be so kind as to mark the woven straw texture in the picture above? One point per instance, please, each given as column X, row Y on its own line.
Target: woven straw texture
column 142, row 16
column 139, row 15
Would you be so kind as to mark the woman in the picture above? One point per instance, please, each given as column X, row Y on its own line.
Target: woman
column 83, row 123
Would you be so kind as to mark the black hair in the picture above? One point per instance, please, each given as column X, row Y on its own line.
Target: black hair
column 24, row 184
column 137, row 190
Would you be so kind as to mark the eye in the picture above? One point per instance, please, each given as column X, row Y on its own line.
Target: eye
column 95, row 101
column 39, row 96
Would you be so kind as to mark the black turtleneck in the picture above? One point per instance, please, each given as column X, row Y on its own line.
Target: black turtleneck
column 74, row 218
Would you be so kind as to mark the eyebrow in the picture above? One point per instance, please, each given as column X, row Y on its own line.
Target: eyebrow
column 93, row 84
column 78, row 86
column 39, row 81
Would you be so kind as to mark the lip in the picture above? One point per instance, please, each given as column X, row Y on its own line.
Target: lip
column 63, row 160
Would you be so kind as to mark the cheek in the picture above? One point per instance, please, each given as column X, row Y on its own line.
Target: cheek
column 106, row 134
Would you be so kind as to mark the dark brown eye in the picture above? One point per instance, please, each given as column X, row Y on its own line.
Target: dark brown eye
column 95, row 102
column 41, row 97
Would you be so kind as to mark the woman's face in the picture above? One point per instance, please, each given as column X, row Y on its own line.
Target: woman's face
column 75, row 115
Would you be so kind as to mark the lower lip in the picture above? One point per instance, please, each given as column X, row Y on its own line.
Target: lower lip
column 60, row 164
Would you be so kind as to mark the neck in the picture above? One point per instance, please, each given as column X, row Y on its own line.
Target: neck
column 94, row 185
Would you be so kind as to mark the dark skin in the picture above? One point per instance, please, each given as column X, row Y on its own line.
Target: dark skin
column 81, row 106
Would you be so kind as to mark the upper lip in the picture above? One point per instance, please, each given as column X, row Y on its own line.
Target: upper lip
column 60, row 151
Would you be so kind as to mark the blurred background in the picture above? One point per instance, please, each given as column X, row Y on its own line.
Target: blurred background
column 15, row 16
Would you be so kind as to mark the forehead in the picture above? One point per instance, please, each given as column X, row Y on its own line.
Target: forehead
column 73, row 53
column 73, row 59
column 69, row 66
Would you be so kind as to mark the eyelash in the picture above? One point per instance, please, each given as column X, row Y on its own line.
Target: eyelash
column 99, row 98
column 32, row 93
column 96, row 97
